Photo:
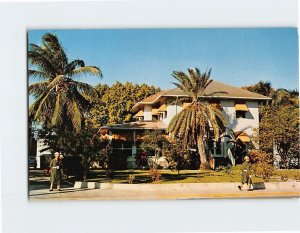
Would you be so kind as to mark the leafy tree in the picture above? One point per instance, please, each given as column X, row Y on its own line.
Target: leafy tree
column 154, row 142
column 177, row 155
column 115, row 102
column 279, row 123
column 60, row 100
column 263, row 88
column 262, row 163
column 86, row 145
column 192, row 123
column 279, row 128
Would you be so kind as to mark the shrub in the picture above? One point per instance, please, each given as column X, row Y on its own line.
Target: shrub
column 297, row 176
column 154, row 174
column 264, row 170
column 262, row 164
column 131, row 179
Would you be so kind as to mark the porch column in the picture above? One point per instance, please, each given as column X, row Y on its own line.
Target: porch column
column 131, row 160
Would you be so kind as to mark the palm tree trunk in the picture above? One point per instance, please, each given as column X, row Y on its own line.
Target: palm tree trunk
column 201, row 150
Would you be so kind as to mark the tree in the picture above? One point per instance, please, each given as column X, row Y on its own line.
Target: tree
column 262, row 163
column 153, row 142
column 192, row 123
column 177, row 155
column 279, row 124
column 238, row 148
column 116, row 101
column 85, row 145
column 262, row 87
column 60, row 100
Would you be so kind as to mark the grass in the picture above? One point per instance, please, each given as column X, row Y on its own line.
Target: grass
column 168, row 176
column 185, row 176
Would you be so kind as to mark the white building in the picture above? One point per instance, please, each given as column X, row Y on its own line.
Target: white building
column 239, row 106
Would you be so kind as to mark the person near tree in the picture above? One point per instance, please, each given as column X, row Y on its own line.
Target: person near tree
column 56, row 171
column 246, row 174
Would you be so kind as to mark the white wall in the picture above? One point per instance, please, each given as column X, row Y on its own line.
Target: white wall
column 40, row 145
column 172, row 110
column 147, row 112
column 247, row 124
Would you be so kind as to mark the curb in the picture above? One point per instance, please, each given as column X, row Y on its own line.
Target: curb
column 86, row 185
column 206, row 187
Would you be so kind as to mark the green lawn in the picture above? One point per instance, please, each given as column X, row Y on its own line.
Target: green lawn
column 185, row 176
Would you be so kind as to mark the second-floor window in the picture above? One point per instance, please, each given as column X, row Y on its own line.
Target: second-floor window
column 241, row 109
column 240, row 114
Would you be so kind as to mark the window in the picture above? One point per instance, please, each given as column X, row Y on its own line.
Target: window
column 241, row 109
column 240, row 114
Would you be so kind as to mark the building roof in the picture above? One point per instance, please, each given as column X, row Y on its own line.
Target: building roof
column 136, row 125
column 229, row 92
column 150, row 99
column 139, row 114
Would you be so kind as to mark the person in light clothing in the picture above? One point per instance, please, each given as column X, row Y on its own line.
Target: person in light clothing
column 246, row 174
column 56, row 171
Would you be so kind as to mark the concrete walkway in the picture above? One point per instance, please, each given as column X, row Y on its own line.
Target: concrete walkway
column 169, row 191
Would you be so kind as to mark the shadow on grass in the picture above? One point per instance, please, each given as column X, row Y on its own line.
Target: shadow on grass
column 141, row 176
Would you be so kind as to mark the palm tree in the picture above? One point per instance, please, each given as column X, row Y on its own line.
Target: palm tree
column 60, row 99
column 192, row 125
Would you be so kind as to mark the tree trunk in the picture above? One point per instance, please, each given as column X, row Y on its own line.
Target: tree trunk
column 85, row 175
column 201, row 150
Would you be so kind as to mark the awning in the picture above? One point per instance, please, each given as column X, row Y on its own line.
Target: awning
column 163, row 108
column 244, row 137
column 241, row 107
column 186, row 105
column 139, row 114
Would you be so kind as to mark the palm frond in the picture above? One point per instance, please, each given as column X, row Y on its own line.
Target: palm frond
column 37, row 89
column 41, row 101
column 93, row 70
column 215, row 93
column 75, row 115
column 73, row 65
column 56, row 118
column 87, row 90
column 41, row 62
column 51, row 41
column 56, row 81
column 40, row 75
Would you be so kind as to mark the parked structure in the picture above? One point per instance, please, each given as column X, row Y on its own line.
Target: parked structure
column 239, row 106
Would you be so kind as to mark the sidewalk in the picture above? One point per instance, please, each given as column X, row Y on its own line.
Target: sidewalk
column 170, row 191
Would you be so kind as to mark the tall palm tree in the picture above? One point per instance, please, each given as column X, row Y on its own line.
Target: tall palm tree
column 60, row 99
column 193, row 123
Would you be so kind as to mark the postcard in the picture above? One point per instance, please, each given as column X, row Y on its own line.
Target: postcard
column 163, row 113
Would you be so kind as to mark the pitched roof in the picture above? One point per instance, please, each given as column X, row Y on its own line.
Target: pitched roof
column 150, row 99
column 230, row 92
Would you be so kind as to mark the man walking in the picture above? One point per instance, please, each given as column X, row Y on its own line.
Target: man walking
column 246, row 174
column 55, row 171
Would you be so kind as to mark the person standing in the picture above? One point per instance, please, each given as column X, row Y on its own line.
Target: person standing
column 56, row 171
column 246, row 174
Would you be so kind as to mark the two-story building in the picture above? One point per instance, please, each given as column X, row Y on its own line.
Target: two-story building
column 155, row 112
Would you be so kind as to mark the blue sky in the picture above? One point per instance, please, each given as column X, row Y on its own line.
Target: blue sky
column 237, row 57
